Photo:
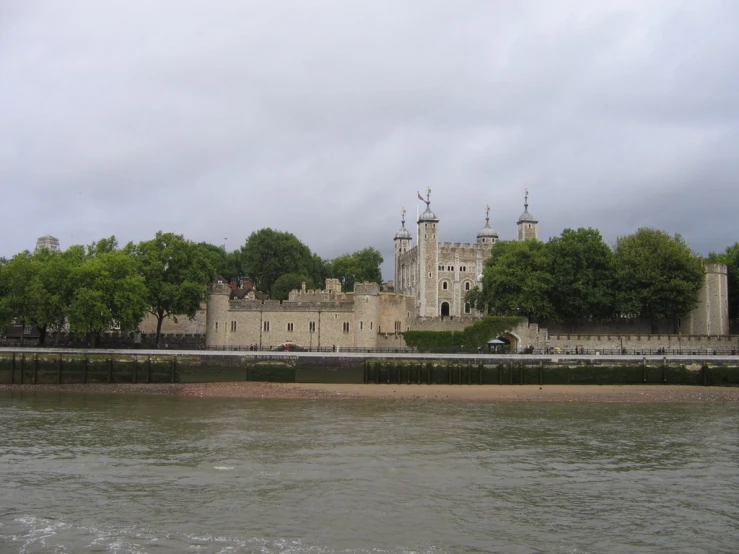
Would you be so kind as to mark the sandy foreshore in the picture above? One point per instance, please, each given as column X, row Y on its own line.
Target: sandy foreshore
column 474, row 393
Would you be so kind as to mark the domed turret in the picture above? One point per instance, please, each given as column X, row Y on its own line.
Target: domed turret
column 403, row 233
column 427, row 215
column 487, row 234
column 526, row 223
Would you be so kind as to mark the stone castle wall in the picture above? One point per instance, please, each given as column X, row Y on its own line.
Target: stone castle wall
column 711, row 316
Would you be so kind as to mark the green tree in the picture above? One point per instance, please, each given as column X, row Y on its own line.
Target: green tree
column 581, row 275
column 363, row 265
column 517, row 281
column 17, row 303
column 226, row 264
column 176, row 274
column 730, row 257
column 268, row 254
column 287, row 282
column 656, row 276
column 108, row 287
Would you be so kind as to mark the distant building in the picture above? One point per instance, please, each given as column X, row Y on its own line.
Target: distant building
column 47, row 242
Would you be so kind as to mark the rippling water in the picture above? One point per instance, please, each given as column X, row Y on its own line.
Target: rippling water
column 96, row 473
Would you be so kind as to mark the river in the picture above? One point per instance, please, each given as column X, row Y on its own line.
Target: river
column 133, row 473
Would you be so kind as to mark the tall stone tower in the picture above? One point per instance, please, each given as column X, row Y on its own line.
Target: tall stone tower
column 428, row 260
column 711, row 315
column 403, row 241
column 487, row 234
column 526, row 223
column 47, row 242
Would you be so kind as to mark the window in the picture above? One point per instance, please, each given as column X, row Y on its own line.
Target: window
column 233, row 326
column 361, row 325
column 372, row 324
column 397, row 326
column 346, row 327
column 467, row 286
column 290, row 327
column 266, row 326
column 216, row 326
column 312, row 327
column 445, row 285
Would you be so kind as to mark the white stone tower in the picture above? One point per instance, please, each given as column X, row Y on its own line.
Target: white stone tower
column 47, row 242
column 428, row 261
column 526, row 223
column 403, row 241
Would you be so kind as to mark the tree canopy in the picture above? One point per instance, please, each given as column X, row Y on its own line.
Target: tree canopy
column 656, row 276
column 176, row 274
column 363, row 265
column 289, row 281
column 269, row 254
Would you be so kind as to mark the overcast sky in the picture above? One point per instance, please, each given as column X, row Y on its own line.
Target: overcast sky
column 324, row 117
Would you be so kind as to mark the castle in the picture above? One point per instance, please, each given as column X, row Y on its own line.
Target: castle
column 439, row 275
column 431, row 280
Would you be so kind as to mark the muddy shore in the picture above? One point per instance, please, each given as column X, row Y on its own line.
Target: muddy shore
column 476, row 393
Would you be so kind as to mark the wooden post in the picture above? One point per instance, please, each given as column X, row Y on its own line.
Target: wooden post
column 148, row 369
column 84, row 371
column 664, row 374
column 12, row 371
column 23, row 366
column 174, row 368
column 540, row 373
column 135, row 370
column 500, row 374
column 35, row 368
column 110, row 370
column 59, row 371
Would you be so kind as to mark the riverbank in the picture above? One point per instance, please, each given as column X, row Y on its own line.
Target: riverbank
column 472, row 393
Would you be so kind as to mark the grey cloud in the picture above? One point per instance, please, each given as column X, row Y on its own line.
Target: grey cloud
column 324, row 118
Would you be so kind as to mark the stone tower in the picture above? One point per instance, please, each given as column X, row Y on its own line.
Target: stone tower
column 526, row 223
column 217, row 316
column 428, row 260
column 403, row 241
column 47, row 242
column 711, row 315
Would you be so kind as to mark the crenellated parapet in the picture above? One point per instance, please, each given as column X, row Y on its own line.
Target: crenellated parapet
column 367, row 289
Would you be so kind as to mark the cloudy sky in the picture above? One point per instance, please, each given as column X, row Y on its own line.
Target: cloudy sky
column 324, row 117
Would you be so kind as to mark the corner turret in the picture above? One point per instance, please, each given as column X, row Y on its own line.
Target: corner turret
column 527, row 225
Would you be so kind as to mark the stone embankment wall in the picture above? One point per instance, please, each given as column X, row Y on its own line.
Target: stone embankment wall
column 80, row 367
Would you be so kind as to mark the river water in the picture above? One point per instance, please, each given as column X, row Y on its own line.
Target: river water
column 126, row 473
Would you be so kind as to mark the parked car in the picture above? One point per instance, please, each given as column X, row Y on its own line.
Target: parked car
column 289, row 347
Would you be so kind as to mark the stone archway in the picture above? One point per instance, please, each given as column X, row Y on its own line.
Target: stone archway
column 444, row 309
column 513, row 340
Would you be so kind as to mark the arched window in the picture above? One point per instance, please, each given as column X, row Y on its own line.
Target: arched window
column 444, row 309
column 444, row 285
column 467, row 286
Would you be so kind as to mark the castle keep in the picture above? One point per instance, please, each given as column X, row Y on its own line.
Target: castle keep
column 439, row 275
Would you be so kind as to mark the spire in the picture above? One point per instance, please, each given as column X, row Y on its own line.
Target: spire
column 526, row 216
column 402, row 233
column 427, row 215
column 487, row 233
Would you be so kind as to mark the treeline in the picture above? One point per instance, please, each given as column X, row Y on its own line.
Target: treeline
column 578, row 278
column 86, row 289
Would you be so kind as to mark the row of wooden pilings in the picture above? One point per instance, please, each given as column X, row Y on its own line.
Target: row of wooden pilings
column 20, row 363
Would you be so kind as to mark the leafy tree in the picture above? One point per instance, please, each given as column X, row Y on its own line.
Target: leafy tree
column 17, row 302
column 730, row 257
column 656, row 276
column 516, row 281
column 363, row 265
column 103, row 246
column 581, row 275
column 108, row 288
column 225, row 264
column 287, row 282
column 268, row 254
column 176, row 275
